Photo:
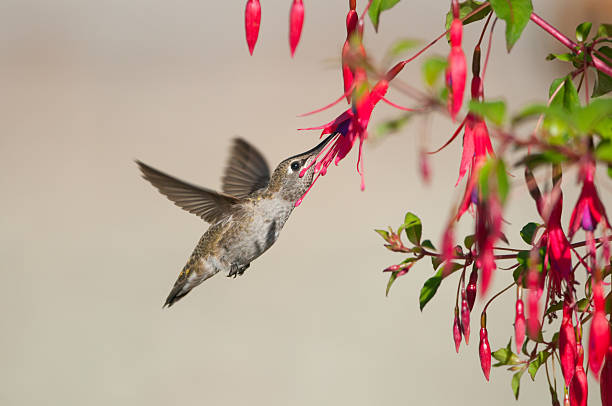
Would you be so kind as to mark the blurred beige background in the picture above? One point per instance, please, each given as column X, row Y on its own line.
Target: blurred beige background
column 88, row 250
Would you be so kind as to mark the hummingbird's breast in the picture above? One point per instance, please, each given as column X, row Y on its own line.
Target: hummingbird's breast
column 255, row 229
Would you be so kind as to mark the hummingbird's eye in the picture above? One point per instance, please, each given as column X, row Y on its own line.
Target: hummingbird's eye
column 295, row 166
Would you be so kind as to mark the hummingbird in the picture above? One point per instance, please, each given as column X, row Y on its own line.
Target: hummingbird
column 245, row 218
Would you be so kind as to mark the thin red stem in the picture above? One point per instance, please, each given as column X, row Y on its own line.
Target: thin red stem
column 553, row 31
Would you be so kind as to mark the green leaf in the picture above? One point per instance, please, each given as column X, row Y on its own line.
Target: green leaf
column 392, row 279
column 516, row 14
column 604, row 30
column 567, row 96
column 384, row 234
column 516, row 382
column 428, row 244
column 528, row 231
column 604, row 128
column 503, row 185
column 378, row 6
column 436, row 262
column 537, row 363
column 466, row 8
column 413, row 227
column 582, row 304
column 603, row 152
column 432, row 68
column 547, row 157
column 590, row 117
column 495, row 111
column 392, row 126
column 505, row 356
column 582, row 31
column 568, row 57
column 469, row 241
column 429, row 289
column 402, row 45
column 603, row 85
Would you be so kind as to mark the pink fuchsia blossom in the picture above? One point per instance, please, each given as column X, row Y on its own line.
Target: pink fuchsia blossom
column 457, row 330
column 599, row 337
column 605, row 379
column 456, row 70
column 519, row 324
column 484, row 351
column 350, row 126
column 296, row 20
column 476, row 147
column 558, row 260
column 589, row 210
column 252, row 18
column 567, row 345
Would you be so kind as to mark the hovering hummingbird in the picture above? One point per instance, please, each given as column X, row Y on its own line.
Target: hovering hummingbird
column 245, row 220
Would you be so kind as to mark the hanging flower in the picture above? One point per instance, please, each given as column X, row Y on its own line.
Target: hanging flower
column 252, row 18
column 296, row 20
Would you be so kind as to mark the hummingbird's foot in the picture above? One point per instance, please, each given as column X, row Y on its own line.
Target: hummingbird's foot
column 236, row 270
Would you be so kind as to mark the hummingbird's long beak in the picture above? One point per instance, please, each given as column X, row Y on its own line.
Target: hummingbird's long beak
column 317, row 149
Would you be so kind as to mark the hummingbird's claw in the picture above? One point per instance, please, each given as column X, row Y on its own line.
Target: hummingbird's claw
column 236, row 270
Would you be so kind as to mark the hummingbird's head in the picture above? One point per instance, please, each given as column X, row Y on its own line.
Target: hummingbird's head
column 286, row 178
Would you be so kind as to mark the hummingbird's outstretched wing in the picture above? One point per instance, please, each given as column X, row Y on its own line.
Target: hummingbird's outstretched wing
column 246, row 170
column 205, row 203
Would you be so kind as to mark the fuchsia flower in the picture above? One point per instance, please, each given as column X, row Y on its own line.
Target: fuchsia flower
column 456, row 70
column 599, row 337
column 252, row 18
column 579, row 388
column 457, row 330
column 470, row 291
column 484, row 351
column 350, row 126
column 558, row 260
column 588, row 211
column 296, row 20
column 567, row 345
column 605, row 379
column 519, row 324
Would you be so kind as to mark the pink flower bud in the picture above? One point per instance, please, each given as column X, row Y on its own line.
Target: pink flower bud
column 605, row 383
column 457, row 331
column 567, row 345
column 599, row 337
column 252, row 18
column 519, row 325
column 579, row 388
column 484, row 351
column 465, row 319
column 470, row 291
column 296, row 20
column 456, row 71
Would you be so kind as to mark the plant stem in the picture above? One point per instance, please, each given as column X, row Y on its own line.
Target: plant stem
column 554, row 32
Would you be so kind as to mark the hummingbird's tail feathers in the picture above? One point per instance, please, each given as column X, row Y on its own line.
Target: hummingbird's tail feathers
column 194, row 273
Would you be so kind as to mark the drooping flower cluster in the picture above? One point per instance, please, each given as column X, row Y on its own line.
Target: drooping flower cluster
column 252, row 20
